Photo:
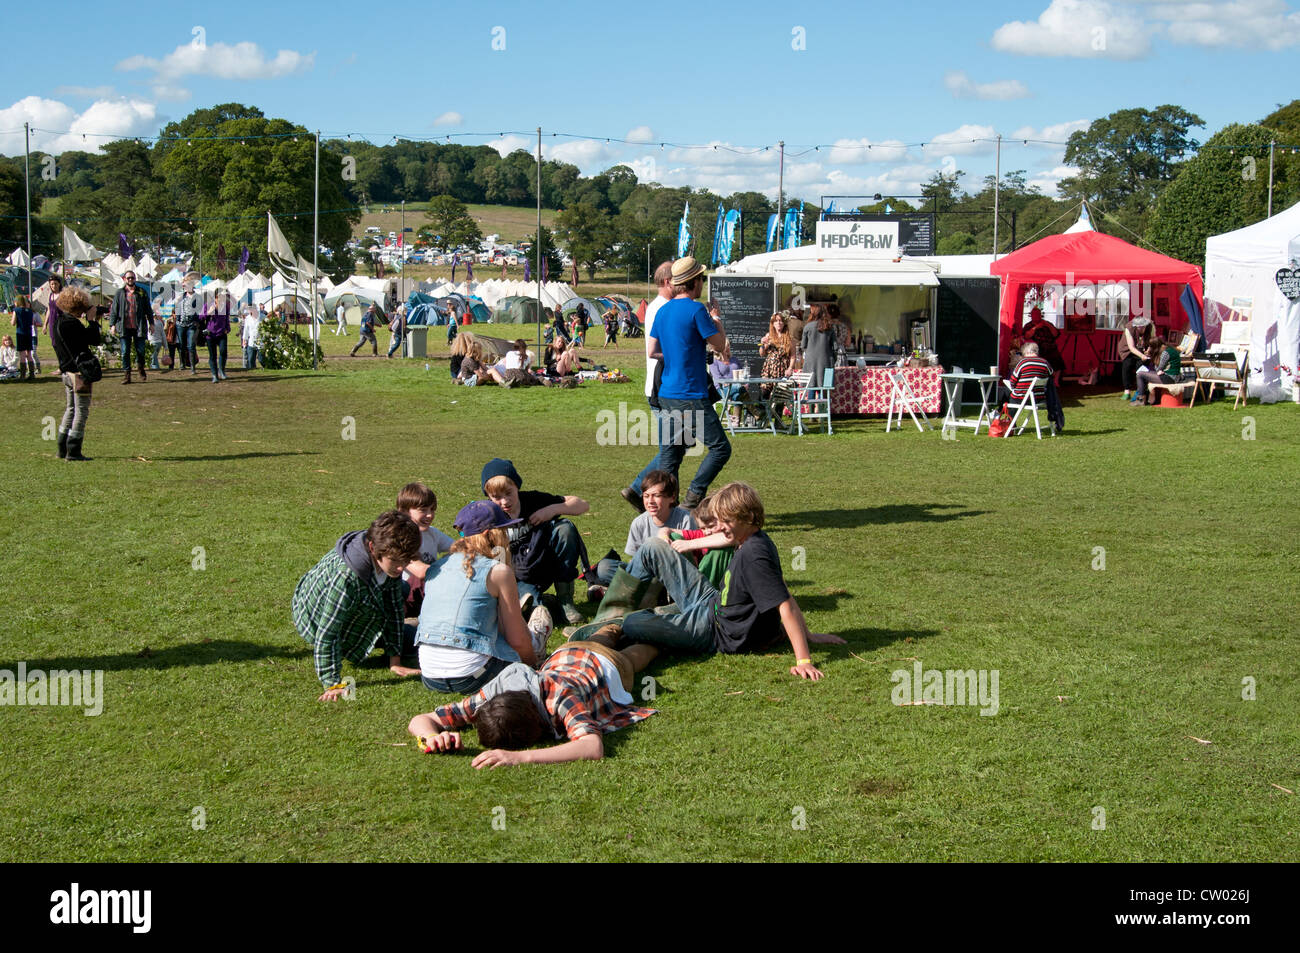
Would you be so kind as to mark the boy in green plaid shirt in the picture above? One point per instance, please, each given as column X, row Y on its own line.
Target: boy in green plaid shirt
column 352, row 599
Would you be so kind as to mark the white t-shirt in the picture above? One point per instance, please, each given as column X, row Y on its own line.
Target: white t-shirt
column 651, row 363
column 644, row 527
column 447, row 661
column 434, row 544
column 251, row 322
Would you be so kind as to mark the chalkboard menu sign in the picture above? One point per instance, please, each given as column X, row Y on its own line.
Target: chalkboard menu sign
column 966, row 322
column 747, row 303
column 915, row 231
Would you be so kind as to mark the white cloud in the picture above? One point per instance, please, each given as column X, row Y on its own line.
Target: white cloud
column 853, row 151
column 169, row 92
column 88, row 92
column 640, row 134
column 963, row 87
column 965, row 140
column 1047, row 179
column 1077, row 28
column 1250, row 24
column 1059, row 132
column 221, row 61
column 449, row 119
column 58, row 128
column 508, row 144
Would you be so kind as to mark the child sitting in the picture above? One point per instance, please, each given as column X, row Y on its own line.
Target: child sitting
column 579, row 693
column 749, row 613
column 659, row 495
column 421, row 504
column 352, row 599
column 714, row 549
column 8, row 359
column 545, row 550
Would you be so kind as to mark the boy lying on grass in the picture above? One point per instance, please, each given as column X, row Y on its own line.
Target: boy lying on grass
column 580, row 692
column 752, row 610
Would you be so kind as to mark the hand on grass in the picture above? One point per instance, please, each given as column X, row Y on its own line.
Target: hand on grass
column 332, row 695
column 806, row 670
column 444, row 742
column 397, row 668
column 497, row 758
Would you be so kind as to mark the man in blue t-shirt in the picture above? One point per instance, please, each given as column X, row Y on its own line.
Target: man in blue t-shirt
column 682, row 333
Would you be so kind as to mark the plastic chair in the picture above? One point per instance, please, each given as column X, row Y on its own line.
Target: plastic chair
column 901, row 398
column 813, row 403
column 1027, row 402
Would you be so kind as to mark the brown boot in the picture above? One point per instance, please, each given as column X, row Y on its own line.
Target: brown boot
column 126, row 369
column 143, row 376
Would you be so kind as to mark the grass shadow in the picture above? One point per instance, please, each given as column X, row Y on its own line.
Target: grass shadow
column 862, row 640
column 870, row 516
column 250, row 455
column 176, row 656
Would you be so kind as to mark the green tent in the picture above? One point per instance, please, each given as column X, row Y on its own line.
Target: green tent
column 516, row 310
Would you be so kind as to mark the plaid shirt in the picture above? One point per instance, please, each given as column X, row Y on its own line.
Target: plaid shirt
column 573, row 688
column 342, row 616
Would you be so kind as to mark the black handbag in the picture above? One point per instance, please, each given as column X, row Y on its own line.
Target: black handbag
column 89, row 368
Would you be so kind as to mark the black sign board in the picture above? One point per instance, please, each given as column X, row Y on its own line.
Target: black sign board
column 966, row 323
column 1288, row 282
column 915, row 231
column 747, row 303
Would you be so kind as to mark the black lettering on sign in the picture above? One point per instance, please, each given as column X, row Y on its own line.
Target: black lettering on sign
column 747, row 303
column 1288, row 282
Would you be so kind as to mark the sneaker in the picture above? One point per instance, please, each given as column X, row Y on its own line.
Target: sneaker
column 540, row 628
column 526, row 603
column 633, row 498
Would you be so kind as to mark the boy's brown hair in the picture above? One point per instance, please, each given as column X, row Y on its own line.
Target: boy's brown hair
column 416, row 496
column 509, row 721
column 738, row 503
column 661, row 478
column 394, row 534
column 703, row 512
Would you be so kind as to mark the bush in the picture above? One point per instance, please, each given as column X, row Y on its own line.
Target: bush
column 281, row 348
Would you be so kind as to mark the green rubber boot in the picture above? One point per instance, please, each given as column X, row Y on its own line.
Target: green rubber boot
column 626, row 594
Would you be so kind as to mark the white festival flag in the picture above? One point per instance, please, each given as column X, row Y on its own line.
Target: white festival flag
column 74, row 249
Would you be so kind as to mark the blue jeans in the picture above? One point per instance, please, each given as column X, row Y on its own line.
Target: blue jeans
column 689, row 630
column 606, row 570
column 681, row 424
column 250, row 357
column 397, row 342
column 564, row 549
column 466, row 683
column 140, row 341
column 186, row 339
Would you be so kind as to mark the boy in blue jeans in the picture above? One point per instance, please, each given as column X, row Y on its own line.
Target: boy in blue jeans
column 751, row 612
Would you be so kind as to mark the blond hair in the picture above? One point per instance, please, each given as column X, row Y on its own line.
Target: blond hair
column 493, row 543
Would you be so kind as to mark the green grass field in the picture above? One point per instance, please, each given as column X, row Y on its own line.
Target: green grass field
column 1121, row 688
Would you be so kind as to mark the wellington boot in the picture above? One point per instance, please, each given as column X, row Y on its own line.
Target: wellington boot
column 564, row 593
column 626, row 594
column 63, row 446
column 74, row 449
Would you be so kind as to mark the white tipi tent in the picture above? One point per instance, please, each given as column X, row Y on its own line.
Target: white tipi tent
column 1244, row 274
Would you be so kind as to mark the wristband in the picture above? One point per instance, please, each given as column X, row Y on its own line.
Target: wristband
column 803, row 661
column 342, row 685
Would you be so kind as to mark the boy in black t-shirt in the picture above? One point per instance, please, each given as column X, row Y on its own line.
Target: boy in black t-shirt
column 544, row 550
column 752, row 610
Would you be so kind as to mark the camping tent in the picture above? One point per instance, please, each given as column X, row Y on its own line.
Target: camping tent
column 516, row 309
column 594, row 311
column 1091, row 258
column 1241, row 282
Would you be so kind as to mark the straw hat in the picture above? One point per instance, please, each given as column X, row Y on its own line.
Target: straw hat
column 685, row 270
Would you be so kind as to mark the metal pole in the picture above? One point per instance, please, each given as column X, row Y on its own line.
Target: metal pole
column 997, row 182
column 200, row 254
column 780, row 197
column 537, row 270
column 27, row 179
column 1271, row 144
column 315, row 250
column 647, row 268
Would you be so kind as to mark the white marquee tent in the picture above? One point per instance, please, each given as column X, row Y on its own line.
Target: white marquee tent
column 1241, row 270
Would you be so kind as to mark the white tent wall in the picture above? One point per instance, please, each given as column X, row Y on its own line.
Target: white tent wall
column 1242, row 266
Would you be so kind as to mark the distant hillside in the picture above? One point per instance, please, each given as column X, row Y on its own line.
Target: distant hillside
column 510, row 222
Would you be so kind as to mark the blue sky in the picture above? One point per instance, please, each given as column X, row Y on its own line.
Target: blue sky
column 834, row 75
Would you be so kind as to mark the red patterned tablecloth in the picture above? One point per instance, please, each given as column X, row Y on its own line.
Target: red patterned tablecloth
column 865, row 390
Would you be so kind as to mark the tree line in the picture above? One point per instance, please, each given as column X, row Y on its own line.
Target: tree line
column 211, row 176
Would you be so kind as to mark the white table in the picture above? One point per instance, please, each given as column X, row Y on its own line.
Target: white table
column 952, row 384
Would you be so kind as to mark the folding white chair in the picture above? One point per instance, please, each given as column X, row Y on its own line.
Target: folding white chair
column 814, row 403
column 1030, row 403
column 901, row 398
